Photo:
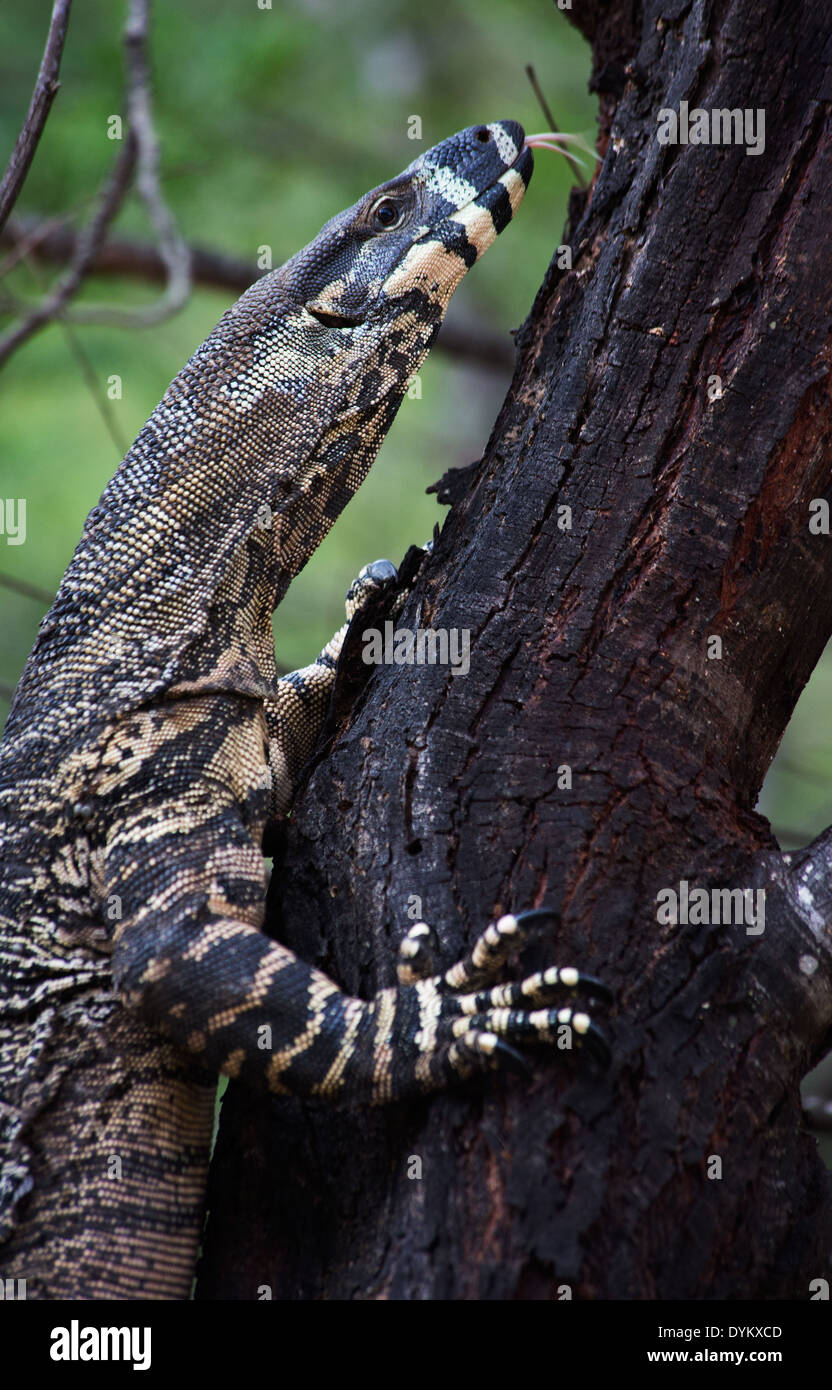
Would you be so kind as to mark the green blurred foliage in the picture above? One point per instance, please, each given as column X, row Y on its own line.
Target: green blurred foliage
column 270, row 121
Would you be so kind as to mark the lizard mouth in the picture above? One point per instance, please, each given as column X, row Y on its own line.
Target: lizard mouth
column 493, row 176
column 489, row 213
column 437, row 260
column 330, row 320
column 524, row 163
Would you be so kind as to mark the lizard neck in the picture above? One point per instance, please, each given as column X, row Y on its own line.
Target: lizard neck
column 233, row 482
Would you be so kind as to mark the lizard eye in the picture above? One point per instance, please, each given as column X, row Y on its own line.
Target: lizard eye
column 386, row 215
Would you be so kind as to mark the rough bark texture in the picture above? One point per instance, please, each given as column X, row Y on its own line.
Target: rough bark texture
column 590, row 649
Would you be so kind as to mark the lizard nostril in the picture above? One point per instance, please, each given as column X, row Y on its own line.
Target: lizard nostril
column 484, row 134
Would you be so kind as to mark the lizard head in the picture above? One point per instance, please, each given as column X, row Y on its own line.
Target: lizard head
column 416, row 235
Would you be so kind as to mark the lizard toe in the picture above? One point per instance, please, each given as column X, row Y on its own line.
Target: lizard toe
column 562, row 1027
column 536, row 990
column 416, row 954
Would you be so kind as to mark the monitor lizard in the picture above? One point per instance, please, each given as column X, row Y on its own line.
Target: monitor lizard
column 150, row 741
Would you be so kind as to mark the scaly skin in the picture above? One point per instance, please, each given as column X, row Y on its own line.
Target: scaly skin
column 150, row 741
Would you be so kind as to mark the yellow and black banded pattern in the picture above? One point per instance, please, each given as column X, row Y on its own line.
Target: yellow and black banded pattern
column 150, row 741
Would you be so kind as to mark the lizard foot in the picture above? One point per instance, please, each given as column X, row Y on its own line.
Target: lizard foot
column 371, row 578
column 466, row 1019
column 521, row 1012
column 379, row 574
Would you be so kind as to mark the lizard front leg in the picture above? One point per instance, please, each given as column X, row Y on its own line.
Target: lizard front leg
column 296, row 715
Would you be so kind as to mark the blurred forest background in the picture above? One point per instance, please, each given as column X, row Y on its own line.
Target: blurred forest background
column 270, row 121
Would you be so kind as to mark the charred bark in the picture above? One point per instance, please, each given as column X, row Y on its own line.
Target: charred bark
column 673, row 391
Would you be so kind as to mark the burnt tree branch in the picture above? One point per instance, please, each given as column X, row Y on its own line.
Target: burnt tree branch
column 673, row 393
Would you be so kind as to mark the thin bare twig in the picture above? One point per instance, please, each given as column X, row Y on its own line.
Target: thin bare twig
column 89, row 241
column 45, row 90
column 173, row 249
column 93, row 385
column 544, row 106
column 538, row 91
column 23, row 238
column 141, row 150
column 22, row 586
column 52, row 241
column 22, row 251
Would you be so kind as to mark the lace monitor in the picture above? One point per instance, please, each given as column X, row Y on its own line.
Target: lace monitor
column 133, row 800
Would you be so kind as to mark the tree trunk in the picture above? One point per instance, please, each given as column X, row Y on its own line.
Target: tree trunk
column 673, row 391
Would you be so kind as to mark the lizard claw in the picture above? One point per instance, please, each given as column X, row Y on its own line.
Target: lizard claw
column 597, row 1046
column 475, row 1049
column 506, row 1056
column 381, row 571
column 537, row 914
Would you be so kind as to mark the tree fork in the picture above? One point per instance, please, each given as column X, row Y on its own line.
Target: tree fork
column 672, row 391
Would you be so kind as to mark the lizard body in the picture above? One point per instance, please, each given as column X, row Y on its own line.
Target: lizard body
column 150, row 742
